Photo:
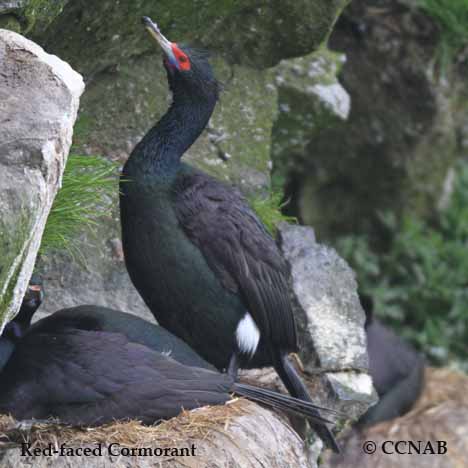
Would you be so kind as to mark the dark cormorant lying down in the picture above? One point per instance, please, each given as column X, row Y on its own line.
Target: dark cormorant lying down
column 90, row 365
column 198, row 255
column 397, row 370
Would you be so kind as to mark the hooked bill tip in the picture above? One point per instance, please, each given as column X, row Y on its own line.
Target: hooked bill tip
column 148, row 23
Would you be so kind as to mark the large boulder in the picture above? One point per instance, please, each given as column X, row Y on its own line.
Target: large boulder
column 39, row 95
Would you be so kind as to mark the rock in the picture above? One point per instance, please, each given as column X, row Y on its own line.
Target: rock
column 330, row 319
column 237, row 435
column 39, row 96
column 244, row 31
column 309, row 98
column 12, row 5
column 32, row 15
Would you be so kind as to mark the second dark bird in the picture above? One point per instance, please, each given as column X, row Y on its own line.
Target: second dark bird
column 198, row 255
column 89, row 365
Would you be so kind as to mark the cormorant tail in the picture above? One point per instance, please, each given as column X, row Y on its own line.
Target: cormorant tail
column 283, row 402
column 297, row 388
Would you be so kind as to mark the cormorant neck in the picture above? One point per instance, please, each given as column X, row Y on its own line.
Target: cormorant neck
column 26, row 312
column 6, row 350
column 163, row 146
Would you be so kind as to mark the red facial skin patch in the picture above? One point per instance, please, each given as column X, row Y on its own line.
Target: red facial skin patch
column 181, row 57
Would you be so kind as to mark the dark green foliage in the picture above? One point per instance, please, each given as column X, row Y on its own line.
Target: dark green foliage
column 452, row 18
column 89, row 183
column 420, row 283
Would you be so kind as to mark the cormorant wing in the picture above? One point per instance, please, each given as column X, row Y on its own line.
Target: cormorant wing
column 239, row 250
column 88, row 378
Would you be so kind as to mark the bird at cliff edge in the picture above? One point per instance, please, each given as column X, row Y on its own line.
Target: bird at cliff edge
column 198, row 255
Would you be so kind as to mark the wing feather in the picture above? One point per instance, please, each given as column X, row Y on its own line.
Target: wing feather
column 240, row 251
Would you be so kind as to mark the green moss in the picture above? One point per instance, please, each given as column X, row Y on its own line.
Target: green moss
column 39, row 14
column 10, row 22
column 269, row 208
column 13, row 238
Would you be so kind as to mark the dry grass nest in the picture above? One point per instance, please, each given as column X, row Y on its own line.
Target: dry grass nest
column 189, row 425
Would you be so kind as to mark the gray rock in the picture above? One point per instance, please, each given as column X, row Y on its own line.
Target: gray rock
column 12, row 5
column 330, row 319
column 39, row 95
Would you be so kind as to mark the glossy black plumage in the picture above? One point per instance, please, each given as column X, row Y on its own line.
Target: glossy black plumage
column 90, row 365
column 137, row 330
column 397, row 370
column 237, row 247
column 196, row 252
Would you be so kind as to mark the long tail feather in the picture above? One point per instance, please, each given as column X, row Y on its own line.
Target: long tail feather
column 297, row 388
column 282, row 402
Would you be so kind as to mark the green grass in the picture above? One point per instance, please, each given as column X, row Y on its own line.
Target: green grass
column 420, row 283
column 268, row 209
column 451, row 17
column 88, row 186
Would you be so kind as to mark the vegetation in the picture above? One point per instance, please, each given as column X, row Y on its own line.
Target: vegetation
column 269, row 208
column 88, row 185
column 452, row 19
column 420, row 283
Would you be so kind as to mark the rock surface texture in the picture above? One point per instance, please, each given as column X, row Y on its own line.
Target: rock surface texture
column 402, row 136
column 39, row 96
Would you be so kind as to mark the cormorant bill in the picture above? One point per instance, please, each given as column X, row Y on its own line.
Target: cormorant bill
column 397, row 370
column 88, row 377
column 198, row 255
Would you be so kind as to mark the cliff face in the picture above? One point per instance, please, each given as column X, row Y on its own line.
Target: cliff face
column 405, row 130
column 127, row 92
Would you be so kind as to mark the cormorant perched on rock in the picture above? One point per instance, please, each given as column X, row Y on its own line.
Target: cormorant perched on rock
column 397, row 370
column 87, row 366
column 200, row 258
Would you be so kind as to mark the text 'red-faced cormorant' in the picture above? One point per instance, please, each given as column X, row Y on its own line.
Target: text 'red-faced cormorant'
column 90, row 365
column 198, row 255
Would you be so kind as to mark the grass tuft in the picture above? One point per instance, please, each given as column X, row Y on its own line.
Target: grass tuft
column 268, row 209
column 88, row 186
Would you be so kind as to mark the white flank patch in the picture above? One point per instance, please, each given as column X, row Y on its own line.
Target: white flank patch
column 247, row 335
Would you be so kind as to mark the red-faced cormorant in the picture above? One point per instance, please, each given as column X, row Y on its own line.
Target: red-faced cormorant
column 199, row 256
column 89, row 365
column 397, row 370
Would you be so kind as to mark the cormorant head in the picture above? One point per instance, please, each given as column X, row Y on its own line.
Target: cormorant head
column 31, row 302
column 188, row 69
